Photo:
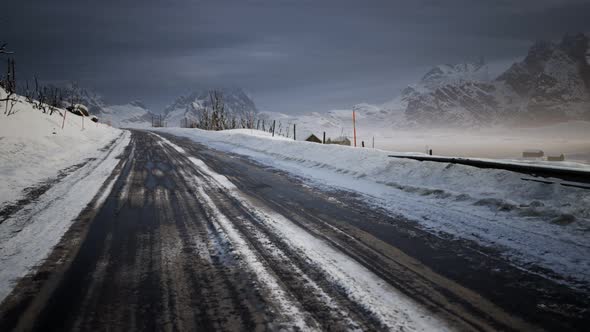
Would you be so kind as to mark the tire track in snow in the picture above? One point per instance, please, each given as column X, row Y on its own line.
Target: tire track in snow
column 392, row 308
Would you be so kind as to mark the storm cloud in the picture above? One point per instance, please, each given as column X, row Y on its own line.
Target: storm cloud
column 292, row 56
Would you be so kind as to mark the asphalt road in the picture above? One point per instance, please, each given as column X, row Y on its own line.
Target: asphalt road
column 162, row 253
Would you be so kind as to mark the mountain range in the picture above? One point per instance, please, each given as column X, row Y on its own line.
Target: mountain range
column 551, row 84
column 133, row 114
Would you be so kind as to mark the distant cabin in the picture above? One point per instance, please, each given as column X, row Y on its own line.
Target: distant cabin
column 561, row 157
column 533, row 154
column 339, row 140
column 313, row 138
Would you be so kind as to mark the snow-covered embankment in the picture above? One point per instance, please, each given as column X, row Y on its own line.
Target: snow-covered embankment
column 48, row 175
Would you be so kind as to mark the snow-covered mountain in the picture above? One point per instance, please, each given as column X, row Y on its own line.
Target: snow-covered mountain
column 459, row 93
column 134, row 114
column 236, row 103
column 551, row 84
column 553, row 81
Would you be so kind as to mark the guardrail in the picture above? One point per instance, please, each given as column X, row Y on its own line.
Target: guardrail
column 566, row 174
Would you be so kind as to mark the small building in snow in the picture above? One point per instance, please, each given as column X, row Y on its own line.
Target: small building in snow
column 313, row 138
column 561, row 157
column 532, row 153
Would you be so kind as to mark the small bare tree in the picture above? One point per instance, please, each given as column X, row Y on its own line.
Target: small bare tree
column 9, row 83
column 3, row 49
column 218, row 116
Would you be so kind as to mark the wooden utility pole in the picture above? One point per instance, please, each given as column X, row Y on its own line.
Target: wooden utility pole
column 354, row 126
column 324, row 140
column 294, row 133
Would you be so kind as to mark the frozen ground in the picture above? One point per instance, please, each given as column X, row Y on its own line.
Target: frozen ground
column 47, row 177
column 532, row 224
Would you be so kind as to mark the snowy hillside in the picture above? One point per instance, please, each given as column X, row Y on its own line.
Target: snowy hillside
column 33, row 147
column 236, row 102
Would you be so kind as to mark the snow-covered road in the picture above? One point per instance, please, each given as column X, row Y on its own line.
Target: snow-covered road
column 192, row 238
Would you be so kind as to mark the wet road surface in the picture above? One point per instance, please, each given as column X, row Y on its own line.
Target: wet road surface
column 193, row 239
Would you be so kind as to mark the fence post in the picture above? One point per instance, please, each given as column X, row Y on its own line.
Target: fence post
column 324, row 140
column 294, row 133
column 64, row 119
column 274, row 122
column 373, row 142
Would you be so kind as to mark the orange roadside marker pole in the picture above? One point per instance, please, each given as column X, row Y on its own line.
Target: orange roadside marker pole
column 354, row 126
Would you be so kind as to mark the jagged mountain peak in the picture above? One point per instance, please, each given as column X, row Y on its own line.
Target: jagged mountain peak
column 138, row 103
column 453, row 73
column 576, row 46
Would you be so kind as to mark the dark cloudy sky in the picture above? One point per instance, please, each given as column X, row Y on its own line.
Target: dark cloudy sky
column 291, row 56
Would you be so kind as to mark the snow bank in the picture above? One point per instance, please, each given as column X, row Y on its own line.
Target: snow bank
column 530, row 222
column 34, row 148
